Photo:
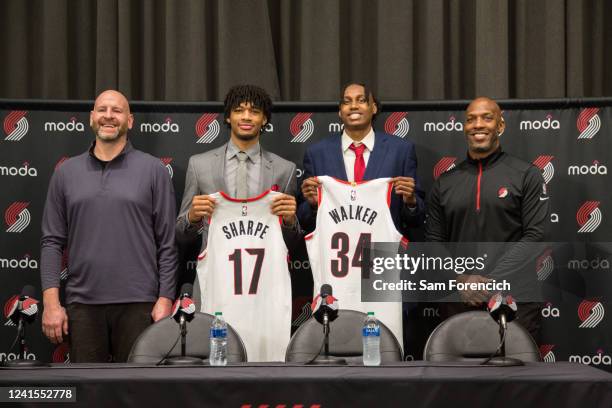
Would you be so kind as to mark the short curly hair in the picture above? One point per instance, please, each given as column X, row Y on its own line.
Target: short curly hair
column 256, row 96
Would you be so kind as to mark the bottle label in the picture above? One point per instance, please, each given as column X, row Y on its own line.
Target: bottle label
column 371, row 331
column 216, row 333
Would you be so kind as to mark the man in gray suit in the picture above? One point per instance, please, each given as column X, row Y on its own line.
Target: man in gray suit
column 241, row 168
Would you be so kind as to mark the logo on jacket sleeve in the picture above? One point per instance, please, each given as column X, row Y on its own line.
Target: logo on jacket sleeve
column 16, row 125
column 397, row 124
column 588, row 216
column 207, row 128
column 502, row 192
column 17, row 216
column 590, row 313
column 588, row 123
column 301, row 127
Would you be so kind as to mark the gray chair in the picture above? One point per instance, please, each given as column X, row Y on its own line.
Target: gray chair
column 344, row 340
column 153, row 344
column 474, row 336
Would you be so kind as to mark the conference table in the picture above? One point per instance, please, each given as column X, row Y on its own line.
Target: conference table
column 408, row 384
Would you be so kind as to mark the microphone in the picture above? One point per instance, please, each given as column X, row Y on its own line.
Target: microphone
column 324, row 305
column 21, row 310
column 183, row 311
column 23, row 307
column 502, row 309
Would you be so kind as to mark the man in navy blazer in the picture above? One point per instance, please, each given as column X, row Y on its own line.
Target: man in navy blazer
column 384, row 156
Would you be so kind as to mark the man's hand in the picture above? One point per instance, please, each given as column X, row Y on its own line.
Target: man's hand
column 284, row 205
column 310, row 190
column 406, row 187
column 202, row 206
column 162, row 308
column 54, row 319
column 470, row 297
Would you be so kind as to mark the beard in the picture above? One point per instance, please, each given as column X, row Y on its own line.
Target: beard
column 106, row 137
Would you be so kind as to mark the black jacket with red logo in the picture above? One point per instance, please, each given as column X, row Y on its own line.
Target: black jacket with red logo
column 497, row 199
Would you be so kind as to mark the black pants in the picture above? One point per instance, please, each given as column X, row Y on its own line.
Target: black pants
column 529, row 315
column 103, row 333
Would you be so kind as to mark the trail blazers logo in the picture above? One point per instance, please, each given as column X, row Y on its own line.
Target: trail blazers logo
column 588, row 123
column 17, row 216
column 301, row 127
column 166, row 161
column 61, row 354
column 544, row 163
column 444, row 165
column 588, row 217
column 64, row 271
column 16, row 125
column 547, row 354
column 544, row 264
column 207, row 128
column 397, row 124
column 590, row 313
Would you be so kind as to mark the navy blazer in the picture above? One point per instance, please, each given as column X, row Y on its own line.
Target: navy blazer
column 391, row 157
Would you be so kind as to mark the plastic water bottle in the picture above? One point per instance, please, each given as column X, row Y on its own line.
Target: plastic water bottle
column 218, row 341
column 371, row 341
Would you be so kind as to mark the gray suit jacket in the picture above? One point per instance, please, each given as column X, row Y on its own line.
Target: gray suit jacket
column 205, row 175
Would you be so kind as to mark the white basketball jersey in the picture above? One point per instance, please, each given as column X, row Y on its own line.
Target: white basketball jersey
column 244, row 274
column 349, row 216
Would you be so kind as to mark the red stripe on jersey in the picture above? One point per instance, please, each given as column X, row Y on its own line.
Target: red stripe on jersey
column 389, row 190
column 244, row 200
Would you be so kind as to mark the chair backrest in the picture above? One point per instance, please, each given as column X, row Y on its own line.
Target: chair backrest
column 344, row 340
column 153, row 344
column 474, row 336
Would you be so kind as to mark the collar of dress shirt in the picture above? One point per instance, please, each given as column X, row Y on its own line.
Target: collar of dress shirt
column 368, row 141
column 254, row 152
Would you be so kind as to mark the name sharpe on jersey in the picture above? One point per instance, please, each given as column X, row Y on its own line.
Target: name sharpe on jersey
column 353, row 212
column 245, row 227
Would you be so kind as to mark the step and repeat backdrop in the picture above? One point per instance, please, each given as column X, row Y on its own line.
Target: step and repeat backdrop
column 570, row 141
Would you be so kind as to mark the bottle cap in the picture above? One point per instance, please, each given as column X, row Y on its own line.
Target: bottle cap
column 370, row 313
column 218, row 314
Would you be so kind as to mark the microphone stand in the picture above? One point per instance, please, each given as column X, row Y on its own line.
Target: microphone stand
column 183, row 359
column 22, row 361
column 327, row 359
column 501, row 360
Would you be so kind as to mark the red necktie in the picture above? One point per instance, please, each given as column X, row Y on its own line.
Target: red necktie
column 359, row 161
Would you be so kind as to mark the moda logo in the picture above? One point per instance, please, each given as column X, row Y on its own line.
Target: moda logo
column 443, row 165
column 335, row 127
column 301, row 127
column 589, row 264
column 451, row 125
column 166, row 162
column 16, row 125
column 431, row 312
column 544, row 163
column 547, row 354
column 397, row 124
column 24, row 171
column 207, row 128
column 590, row 313
column 13, row 356
column 588, row 123
column 588, row 216
column 594, row 169
column 598, row 359
column 550, row 311
column 61, row 354
column 71, row 126
column 544, row 264
column 166, row 127
column 60, row 161
column 24, row 263
column 548, row 123
column 17, row 217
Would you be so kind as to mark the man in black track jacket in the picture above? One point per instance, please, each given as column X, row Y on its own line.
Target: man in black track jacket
column 490, row 197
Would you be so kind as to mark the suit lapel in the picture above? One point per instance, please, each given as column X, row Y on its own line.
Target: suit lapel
column 377, row 157
column 218, row 162
column 336, row 159
column 267, row 172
